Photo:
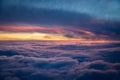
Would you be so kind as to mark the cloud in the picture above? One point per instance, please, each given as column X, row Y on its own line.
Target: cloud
column 41, row 68
column 42, row 16
column 37, row 60
column 86, row 18
column 35, row 67
column 98, row 70
column 100, row 9
column 57, row 60
column 47, row 32
column 11, row 78
column 68, row 32
column 77, row 23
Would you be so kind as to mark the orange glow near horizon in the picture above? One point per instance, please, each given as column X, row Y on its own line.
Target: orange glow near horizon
column 18, row 32
column 44, row 36
column 33, row 36
column 12, row 32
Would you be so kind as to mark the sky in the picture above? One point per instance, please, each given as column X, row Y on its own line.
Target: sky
column 60, row 20
column 72, row 39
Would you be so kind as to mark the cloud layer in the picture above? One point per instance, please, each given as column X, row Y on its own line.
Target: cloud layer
column 100, row 18
column 28, row 60
column 94, row 24
column 101, row 9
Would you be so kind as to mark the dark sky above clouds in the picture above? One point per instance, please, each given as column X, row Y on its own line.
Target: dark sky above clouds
column 100, row 17
column 104, row 9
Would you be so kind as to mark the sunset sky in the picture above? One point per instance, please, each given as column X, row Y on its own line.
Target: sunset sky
column 59, row 39
column 60, row 20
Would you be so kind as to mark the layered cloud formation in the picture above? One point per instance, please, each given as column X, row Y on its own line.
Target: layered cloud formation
column 78, row 19
column 35, row 60
column 79, row 40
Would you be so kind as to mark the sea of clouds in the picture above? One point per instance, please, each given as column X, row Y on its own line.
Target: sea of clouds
column 49, row 60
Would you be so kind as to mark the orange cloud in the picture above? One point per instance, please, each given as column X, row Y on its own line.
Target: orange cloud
column 33, row 36
column 17, row 32
column 30, row 28
column 87, row 32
